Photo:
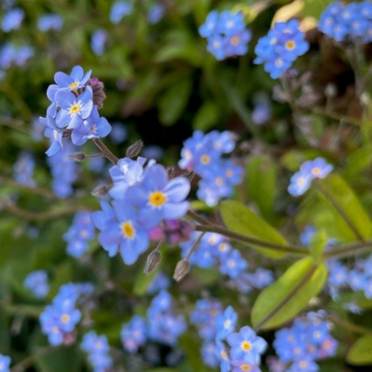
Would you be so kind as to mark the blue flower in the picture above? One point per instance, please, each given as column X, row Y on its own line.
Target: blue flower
column 11, row 54
column 281, row 47
column 119, row 10
column 299, row 183
column 98, row 41
column 226, row 33
column 246, row 345
column 75, row 80
column 95, row 126
column 4, row 363
column 24, row 169
column 79, row 234
column 226, row 323
column 156, row 13
column 98, row 351
column 133, row 334
column 304, row 364
column 12, row 19
column 119, row 133
column 74, row 109
column 233, row 264
column 317, row 168
column 126, row 173
column 160, row 282
column 49, row 22
column 122, row 229
column 307, row 235
column 209, row 354
column 262, row 110
column 37, row 283
column 159, row 197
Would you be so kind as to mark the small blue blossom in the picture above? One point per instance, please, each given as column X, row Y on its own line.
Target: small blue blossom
column 233, row 265
column 156, row 13
column 209, row 354
column 226, row 323
column 261, row 112
column 301, row 181
column 4, row 363
column 23, row 169
column 37, row 283
column 159, row 283
column 119, row 10
column 12, row 19
column 14, row 55
column 134, row 334
column 307, row 235
column 226, row 33
column 98, row 350
column 48, row 22
column 284, row 43
column 119, row 133
column 79, row 234
column 98, row 41
column 246, row 346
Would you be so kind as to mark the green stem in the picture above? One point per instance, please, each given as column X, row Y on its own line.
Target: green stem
column 28, row 361
column 349, row 250
column 251, row 240
column 105, row 151
column 349, row 326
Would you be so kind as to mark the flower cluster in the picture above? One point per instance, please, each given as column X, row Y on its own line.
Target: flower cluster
column 162, row 325
column 64, row 170
column 214, row 249
column 23, row 169
column 305, row 342
column 203, row 154
column 223, row 345
column 226, row 33
column 12, row 19
column 347, row 21
column 4, row 363
column 310, row 170
column 284, row 43
column 142, row 197
column 37, row 283
column 48, row 22
column 59, row 319
column 79, row 234
column 98, row 351
column 73, row 110
column 172, row 231
column 14, row 55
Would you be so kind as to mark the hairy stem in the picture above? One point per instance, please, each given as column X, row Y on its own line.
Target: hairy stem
column 105, row 151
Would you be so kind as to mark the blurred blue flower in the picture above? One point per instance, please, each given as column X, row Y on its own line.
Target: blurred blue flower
column 134, row 334
column 233, row 264
column 37, row 283
column 12, row 19
column 49, row 22
column 23, row 169
column 4, row 363
column 120, row 9
column 156, row 13
column 98, row 41
column 226, row 323
column 226, row 33
column 98, row 350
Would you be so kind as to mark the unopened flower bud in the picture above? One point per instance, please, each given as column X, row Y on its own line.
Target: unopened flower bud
column 77, row 156
column 135, row 149
column 100, row 191
column 152, row 262
column 182, row 269
column 99, row 94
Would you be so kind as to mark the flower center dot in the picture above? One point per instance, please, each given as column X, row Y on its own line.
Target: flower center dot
column 128, row 230
column 157, row 199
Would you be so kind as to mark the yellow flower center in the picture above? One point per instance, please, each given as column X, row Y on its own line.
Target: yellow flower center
column 290, row 44
column 235, row 40
column 245, row 367
column 75, row 108
column 205, row 159
column 301, row 181
column 74, row 85
column 128, row 230
column 303, row 364
column 65, row 318
column 246, row 346
column 316, row 172
column 157, row 199
column 224, row 355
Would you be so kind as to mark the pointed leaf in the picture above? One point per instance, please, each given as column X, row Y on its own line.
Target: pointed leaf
column 240, row 219
column 361, row 351
column 291, row 293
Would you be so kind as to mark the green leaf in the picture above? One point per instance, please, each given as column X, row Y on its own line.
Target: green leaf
column 207, row 116
column 261, row 180
column 314, row 8
column 60, row 359
column 143, row 282
column 173, row 101
column 345, row 197
column 360, row 352
column 291, row 293
column 240, row 219
column 318, row 244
